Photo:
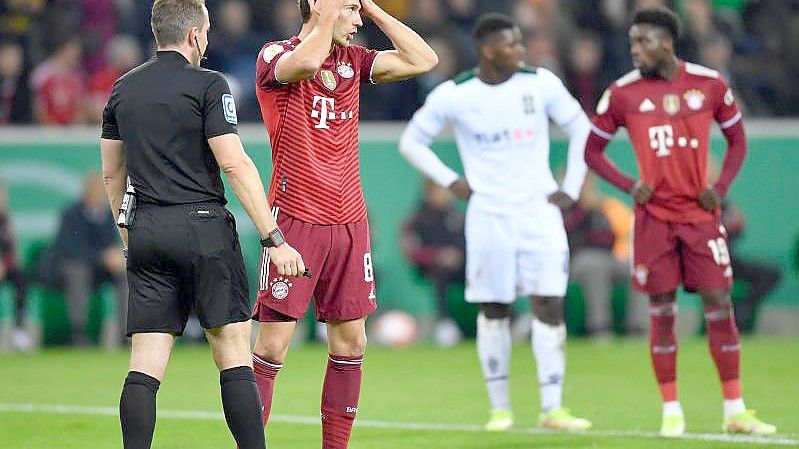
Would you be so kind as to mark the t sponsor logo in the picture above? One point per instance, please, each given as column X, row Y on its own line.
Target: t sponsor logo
column 661, row 138
column 323, row 108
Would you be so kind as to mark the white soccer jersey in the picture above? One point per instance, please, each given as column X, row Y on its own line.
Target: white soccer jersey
column 502, row 132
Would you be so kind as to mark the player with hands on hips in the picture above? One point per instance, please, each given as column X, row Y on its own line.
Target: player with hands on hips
column 515, row 238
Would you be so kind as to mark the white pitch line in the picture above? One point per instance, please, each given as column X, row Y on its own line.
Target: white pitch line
column 375, row 424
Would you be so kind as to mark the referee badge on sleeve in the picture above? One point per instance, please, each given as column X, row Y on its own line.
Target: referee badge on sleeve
column 229, row 107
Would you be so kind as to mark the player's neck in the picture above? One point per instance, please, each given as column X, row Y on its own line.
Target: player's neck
column 670, row 69
column 490, row 75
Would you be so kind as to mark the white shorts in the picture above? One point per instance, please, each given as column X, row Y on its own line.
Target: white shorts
column 512, row 255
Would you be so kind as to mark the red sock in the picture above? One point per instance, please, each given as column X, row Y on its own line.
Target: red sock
column 663, row 348
column 725, row 347
column 340, row 400
column 265, row 373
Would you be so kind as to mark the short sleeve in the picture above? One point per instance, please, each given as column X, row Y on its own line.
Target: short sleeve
column 110, row 127
column 220, row 109
column 431, row 118
column 561, row 106
column 268, row 57
column 608, row 116
column 365, row 59
column 726, row 110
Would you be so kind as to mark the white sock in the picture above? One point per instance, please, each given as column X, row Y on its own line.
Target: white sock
column 672, row 408
column 733, row 407
column 493, row 349
column 549, row 348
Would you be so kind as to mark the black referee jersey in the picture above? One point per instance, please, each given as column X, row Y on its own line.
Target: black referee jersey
column 165, row 110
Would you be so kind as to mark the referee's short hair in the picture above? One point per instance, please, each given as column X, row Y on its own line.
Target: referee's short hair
column 171, row 19
column 660, row 17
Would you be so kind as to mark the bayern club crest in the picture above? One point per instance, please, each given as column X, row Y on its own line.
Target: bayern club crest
column 279, row 287
column 345, row 70
column 694, row 99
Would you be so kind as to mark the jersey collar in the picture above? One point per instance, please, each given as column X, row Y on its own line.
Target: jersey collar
column 171, row 56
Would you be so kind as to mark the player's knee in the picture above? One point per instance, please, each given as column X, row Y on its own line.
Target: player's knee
column 496, row 311
column 663, row 298
column 271, row 348
column 549, row 310
column 716, row 299
column 352, row 346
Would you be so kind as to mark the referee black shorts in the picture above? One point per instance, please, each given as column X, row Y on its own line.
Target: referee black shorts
column 181, row 258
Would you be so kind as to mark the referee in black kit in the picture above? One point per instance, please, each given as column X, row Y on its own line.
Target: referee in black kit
column 169, row 126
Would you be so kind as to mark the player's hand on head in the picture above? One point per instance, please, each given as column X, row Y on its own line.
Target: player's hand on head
column 561, row 199
column 641, row 192
column 287, row 260
column 368, row 7
column 327, row 8
column 461, row 188
column 710, row 199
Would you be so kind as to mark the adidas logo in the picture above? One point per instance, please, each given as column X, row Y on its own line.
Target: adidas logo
column 646, row 106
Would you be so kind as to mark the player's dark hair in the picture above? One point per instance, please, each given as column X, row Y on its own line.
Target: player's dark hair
column 305, row 10
column 490, row 23
column 660, row 17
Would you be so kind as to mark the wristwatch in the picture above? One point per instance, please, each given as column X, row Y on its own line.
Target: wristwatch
column 274, row 239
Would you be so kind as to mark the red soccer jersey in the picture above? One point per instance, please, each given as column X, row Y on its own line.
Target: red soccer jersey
column 58, row 92
column 313, row 129
column 669, row 126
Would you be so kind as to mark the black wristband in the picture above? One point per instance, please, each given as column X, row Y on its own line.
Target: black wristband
column 274, row 239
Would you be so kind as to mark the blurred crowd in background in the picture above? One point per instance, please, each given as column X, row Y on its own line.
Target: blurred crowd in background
column 60, row 58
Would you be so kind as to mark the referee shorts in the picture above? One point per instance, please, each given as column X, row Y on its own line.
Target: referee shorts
column 183, row 258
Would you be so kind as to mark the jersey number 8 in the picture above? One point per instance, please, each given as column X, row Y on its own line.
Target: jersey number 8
column 368, row 271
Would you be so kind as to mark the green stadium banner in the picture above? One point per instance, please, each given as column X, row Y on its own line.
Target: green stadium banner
column 44, row 168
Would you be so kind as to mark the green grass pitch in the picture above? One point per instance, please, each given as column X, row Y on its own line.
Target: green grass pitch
column 417, row 397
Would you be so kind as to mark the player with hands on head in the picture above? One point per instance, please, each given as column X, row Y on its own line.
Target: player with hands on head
column 308, row 88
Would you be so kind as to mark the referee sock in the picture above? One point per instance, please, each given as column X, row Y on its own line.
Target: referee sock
column 340, row 394
column 242, row 407
column 265, row 373
column 549, row 348
column 493, row 350
column 663, row 348
column 137, row 410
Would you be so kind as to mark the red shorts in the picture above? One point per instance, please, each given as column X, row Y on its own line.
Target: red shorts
column 667, row 254
column 342, row 283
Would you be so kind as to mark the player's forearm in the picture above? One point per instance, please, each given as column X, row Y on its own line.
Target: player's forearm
column 416, row 151
column 411, row 48
column 597, row 161
column 309, row 55
column 246, row 184
column 734, row 159
column 578, row 130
